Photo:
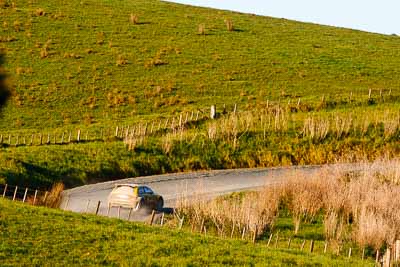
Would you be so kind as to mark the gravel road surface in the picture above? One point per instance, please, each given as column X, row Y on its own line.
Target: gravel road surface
column 172, row 186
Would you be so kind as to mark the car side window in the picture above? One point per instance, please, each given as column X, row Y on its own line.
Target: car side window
column 141, row 191
column 148, row 190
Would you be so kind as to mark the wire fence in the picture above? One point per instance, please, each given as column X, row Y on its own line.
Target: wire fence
column 170, row 218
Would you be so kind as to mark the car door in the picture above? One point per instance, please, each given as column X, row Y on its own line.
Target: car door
column 150, row 196
column 142, row 194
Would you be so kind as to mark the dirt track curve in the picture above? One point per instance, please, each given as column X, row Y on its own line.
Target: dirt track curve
column 172, row 186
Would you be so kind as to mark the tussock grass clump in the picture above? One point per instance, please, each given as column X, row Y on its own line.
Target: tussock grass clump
column 134, row 19
column 229, row 25
column 121, row 60
column 201, row 29
column 40, row 12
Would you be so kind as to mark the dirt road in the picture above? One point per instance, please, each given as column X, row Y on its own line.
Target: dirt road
column 172, row 186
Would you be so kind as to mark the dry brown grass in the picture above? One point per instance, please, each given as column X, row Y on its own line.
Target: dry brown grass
column 253, row 212
column 201, row 29
column 229, row 25
column 362, row 206
column 50, row 199
column 134, row 19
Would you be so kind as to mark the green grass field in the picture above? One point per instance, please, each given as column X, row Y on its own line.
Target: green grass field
column 84, row 65
column 28, row 238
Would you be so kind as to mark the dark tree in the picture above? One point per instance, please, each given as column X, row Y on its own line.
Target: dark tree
column 4, row 91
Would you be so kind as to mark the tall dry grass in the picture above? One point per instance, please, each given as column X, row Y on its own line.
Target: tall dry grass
column 51, row 199
column 362, row 206
column 235, row 215
column 359, row 203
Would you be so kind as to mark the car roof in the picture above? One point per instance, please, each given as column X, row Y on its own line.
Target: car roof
column 130, row 185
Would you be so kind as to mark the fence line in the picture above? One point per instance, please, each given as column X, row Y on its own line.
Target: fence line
column 169, row 124
column 38, row 197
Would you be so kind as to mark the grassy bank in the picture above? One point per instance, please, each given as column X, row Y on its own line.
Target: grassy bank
column 243, row 141
column 42, row 236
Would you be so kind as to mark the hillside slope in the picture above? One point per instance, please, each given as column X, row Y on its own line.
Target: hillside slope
column 305, row 94
column 84, row 62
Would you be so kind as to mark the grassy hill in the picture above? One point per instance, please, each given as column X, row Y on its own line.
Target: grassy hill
column 80, row 61
column 97, row 64
column 28, row 238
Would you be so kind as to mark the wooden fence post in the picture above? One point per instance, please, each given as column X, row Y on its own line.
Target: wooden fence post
column 202, row 225
column 15, row 193
column 325, row 246
column 255, row 235
column 32, row 137
column 243, row 232
column 350, row 251
column 303, row 244
column 66, row 204
column 387, row 258
column 181, row 222
column 233, row 229
column 45, row 197
column 213, row 112
column 26, row 191
column 153, row 213
column 108, row 210
column 312, row 246
column 34, row 198
column 5, row 190
column 397, row 251
column 162, row 219
column 116, row 131
column 130, row 212
column 98, row 207
column 78, row 137
column 69, row 137
column 48, row 139
column 62, row 138
column 269, row 239
column 377, row 256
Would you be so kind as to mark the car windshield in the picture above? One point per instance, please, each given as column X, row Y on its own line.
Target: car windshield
column 147, row 190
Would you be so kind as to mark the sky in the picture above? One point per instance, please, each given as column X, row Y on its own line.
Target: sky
column 380, row 16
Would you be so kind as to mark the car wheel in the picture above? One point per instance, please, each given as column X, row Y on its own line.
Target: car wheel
column 140, row 204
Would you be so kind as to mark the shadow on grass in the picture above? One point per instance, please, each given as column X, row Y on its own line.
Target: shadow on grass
column 37, row 177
